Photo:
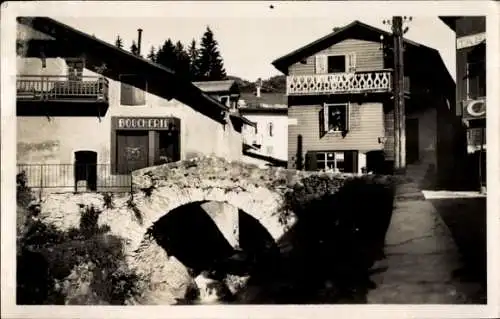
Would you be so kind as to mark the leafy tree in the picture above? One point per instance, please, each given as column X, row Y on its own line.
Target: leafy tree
column 210, row 63
column 152, row 54
column 193, row 54
column 119, row 42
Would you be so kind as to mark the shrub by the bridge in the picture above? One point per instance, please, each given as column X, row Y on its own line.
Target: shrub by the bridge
column 83, row 265
column 340, row 232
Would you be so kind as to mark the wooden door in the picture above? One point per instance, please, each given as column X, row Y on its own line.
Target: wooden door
column 132, row 151
column 412, row 149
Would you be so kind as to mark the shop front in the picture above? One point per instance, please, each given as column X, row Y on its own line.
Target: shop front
column 139, row 142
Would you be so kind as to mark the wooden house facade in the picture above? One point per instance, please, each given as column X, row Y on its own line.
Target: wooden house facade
column 340, row 90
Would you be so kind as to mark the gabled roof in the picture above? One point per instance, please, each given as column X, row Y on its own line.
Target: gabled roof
column 355, row 29
column 216, row 86
column 270, row 99
column 161, row 81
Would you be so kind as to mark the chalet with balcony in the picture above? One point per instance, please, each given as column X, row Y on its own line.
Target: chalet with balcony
column 340, row 103
column 470, row 103
column 89, row 113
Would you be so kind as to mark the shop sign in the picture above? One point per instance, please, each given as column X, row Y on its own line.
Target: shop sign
column 470, row 40
column 474, row 109
column 147, row 123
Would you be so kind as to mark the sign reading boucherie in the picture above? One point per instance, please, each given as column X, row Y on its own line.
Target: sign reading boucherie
column 147, row 123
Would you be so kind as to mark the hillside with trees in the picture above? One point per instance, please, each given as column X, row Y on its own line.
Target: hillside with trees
column 202, row 61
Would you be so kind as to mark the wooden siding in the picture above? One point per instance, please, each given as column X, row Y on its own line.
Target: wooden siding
column 365, row 128
column 389, row 135
column 368, row 56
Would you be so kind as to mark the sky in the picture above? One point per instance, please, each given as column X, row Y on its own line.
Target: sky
column 249, row 43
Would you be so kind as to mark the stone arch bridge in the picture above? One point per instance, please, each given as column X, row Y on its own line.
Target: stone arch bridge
column 159, row 190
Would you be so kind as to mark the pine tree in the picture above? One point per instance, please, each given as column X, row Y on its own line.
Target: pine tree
column 134, row 49
column 210, row 64
column 166, row 55
column 152, row 54
column 193, row 54
column 119, row 42
column 182, row 60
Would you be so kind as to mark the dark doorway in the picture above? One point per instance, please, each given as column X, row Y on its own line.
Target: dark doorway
column 86, row 168
column 132, row 150
column 375, row 162
column 412, row 141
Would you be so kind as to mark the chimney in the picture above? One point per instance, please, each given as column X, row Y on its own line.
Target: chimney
column 258, row 86
column 139, row 39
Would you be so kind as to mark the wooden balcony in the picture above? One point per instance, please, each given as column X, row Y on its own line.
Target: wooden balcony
column 55, row 95
column 60, row 88
column 341, row 83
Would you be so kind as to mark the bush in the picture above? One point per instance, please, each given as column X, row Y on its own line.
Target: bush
column 54, row 266
column 341, row 229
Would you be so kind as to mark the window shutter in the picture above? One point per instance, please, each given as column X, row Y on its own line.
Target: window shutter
column 321, row 64
column 347, row 116
column 322, row 121
column 351, row 62
column 310, row 164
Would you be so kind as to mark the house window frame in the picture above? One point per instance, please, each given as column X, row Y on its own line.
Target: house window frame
column 145, row 105
column 326, row 108
column 326, row 160
column 350, row 62
column 328, row 56
column 467, row 80
column 70, row 67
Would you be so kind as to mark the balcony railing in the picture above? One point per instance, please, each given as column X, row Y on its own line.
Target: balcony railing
column 335, row 83
column 62, row 88
column 75, row 177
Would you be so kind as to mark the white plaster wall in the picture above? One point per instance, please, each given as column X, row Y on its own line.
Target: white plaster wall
column 279, row 140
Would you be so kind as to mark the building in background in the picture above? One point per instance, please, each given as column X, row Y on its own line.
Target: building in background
column 340, row 107
column 470, row 103
column 267, row 143
column 89, row 113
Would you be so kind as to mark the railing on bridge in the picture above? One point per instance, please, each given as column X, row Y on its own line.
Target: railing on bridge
column 75, row 178
column 61, row 88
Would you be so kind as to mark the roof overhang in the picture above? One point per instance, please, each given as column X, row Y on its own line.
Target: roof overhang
column 161, row 81
column 355, row 29
column 449, row 21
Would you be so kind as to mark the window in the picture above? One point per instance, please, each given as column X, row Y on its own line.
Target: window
column 168, row 147
column 75, row 69
column 334, row 118
column 133, row 89
column 330, row 161
column 270, row 128
column 476, row 74
column 335, row 63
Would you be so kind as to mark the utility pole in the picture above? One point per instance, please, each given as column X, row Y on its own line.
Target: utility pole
column 399, row 107
column 398, row 91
